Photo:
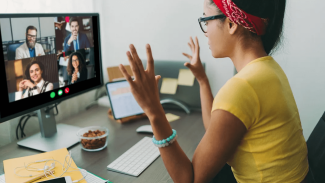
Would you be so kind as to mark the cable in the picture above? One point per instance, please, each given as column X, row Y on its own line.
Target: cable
column 22, row 130
column 47, row 170
column 19, row 126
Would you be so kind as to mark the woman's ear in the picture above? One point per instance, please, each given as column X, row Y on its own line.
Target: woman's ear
column 232, row 27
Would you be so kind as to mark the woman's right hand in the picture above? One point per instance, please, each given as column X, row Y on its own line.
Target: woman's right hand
column 21, row 85
column 74, row 77
column 195, row 64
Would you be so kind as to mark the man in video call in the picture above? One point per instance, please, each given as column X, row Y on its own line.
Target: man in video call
column 76, row 40
column 30, row 48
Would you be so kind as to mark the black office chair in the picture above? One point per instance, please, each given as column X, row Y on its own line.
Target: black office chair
column 12, row 50
column 316, row 153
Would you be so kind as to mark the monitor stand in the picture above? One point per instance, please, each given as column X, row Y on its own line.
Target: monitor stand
column 51, row 136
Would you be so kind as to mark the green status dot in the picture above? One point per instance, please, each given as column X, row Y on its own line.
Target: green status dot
column 52, row 95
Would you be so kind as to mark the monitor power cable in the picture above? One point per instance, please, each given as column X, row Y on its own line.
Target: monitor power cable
column 21, row 125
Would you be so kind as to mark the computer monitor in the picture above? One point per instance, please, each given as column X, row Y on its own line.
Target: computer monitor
column 47, row 58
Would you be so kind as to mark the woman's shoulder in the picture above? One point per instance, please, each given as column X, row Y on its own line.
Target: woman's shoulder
column 48, row 84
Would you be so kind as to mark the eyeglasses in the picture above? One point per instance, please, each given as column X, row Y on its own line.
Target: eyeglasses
column 203, row 21
column 31, row 36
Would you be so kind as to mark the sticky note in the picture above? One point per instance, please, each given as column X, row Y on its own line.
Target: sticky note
column 185, row 77
column 171, row 117
column 168, row 86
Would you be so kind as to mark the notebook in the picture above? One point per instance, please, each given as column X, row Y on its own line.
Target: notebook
column 60, row 154
column 90, row 178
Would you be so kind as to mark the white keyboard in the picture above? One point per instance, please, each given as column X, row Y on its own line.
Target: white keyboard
column 136, row 159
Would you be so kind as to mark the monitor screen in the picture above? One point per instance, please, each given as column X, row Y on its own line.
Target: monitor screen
column 123, row 103
column 47, row 58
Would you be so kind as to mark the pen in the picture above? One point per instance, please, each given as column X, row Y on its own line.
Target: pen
column 39, row 177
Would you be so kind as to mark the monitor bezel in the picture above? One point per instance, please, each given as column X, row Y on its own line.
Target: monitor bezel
column 4, row 92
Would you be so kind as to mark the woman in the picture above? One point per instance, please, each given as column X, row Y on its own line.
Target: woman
column 77, row 70
column 34, row 83
column 253, row 123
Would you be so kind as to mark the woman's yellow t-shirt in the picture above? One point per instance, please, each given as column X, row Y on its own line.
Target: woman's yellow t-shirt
column 274, row 148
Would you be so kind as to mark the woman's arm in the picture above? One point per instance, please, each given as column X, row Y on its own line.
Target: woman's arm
column 222, row 137
column 198, row 71
column 206, row 102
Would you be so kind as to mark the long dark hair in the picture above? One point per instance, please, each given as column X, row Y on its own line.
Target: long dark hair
column 273, row 10
column 82, row 62
column 41, row 66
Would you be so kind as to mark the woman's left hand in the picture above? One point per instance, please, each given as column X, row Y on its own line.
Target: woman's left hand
column 144, row 86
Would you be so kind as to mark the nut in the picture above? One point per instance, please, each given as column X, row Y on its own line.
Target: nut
column 93, row 143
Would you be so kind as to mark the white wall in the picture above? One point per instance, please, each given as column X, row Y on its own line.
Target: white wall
column 5, row 29
column 69, row 107
column 167, row 25
column 19, row 26
column 302, row 58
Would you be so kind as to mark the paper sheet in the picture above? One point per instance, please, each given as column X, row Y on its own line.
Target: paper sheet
column 171, row 117
column 62, row 62
column 185, row 77
column 2, row 178
column 60, row 154
column 168, row 86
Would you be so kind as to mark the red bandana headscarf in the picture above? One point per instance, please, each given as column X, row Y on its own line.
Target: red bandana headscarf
column 252, row 23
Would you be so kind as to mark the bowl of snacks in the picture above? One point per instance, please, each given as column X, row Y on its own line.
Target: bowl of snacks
column 93, row 138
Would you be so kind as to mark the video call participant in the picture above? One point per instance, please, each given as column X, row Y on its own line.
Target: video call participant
column 30, row 48
column 76, row 69
column 34, row 83
column 76, row 40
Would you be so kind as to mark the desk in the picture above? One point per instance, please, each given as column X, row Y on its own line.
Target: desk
column 190, row 131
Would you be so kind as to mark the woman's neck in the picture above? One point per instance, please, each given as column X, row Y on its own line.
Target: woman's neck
column 243, row 54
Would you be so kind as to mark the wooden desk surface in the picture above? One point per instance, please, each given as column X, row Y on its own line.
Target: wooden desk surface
column 190, row 131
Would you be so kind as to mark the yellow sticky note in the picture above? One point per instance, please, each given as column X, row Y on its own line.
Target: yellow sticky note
column 168, row 86
column 171, row 117
column 186, row 77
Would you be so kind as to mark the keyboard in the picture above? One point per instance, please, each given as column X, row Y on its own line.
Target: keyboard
column 136, row 159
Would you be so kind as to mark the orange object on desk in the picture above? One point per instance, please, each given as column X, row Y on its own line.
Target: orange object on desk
column 127, row 119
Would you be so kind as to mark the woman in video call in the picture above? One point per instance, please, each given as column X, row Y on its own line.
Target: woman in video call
column 77, row 70
column 253, row 123
column 34, row 83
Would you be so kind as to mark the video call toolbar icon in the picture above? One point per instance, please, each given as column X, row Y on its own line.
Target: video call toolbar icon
column 66, row 90
column 52, row 95
column 60, row 92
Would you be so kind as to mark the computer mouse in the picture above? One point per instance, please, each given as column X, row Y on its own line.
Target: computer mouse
column 145, row 129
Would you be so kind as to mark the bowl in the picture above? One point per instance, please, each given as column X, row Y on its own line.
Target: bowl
column 93, row 138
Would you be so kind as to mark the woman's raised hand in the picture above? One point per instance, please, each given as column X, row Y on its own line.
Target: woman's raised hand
column 74, row 77
column 195, row 64
column 144, row 85
column 22, row 86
